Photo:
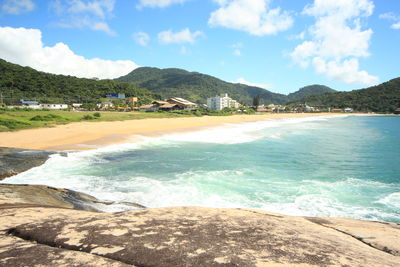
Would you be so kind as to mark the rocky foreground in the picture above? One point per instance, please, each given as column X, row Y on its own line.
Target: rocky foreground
column 35, row 234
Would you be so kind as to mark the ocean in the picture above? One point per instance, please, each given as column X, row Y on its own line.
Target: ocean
column 338, row 166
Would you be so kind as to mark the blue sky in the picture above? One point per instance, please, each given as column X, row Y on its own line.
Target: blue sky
column 280, row 45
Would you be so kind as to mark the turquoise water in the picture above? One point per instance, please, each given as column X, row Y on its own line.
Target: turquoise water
column 321, row 166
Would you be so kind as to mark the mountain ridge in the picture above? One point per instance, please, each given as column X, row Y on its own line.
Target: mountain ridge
column 25, row 82
column 195, row 86
column 384, row 97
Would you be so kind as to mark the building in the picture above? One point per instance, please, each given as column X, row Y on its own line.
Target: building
column 132, row 100
column 54, row 106
column 153, row 107
column 116, row 96
column 397, row 111
column 27, row 104
column 181, row 103
column 76, row 106
column 221, row 102
column 175, row 103
column 348, row 110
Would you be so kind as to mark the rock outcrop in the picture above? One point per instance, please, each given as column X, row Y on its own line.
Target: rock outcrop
column 189, row 236
column 14, row 160
column 42, row 195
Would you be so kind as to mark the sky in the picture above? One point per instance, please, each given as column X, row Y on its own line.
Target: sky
column 279, row 45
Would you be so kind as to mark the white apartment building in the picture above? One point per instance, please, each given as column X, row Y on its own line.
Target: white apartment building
column 221, row 102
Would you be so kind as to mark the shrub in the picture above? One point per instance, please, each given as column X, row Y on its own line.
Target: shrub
column 97, row 114
column 48, row 117
column 13, row 124
column 88, row 117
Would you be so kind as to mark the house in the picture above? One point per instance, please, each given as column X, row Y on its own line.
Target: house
column 115, row 96
column 26, row 104
column 132, row 100
column 76, row 106
column 54, row 106
column 175, row 103
column 397, row 111
column 181, row 103
column 168, row 107
column 153, row 107
column 221, row 102
column 348, row 110
column 336, row 110
column 307, row 108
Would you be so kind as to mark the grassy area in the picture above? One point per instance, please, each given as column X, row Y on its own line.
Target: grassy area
column 12, row 120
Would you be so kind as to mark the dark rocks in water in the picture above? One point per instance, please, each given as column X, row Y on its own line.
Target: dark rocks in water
column 15, row 160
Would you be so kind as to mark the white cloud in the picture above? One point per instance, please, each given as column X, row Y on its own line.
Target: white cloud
column 346, row 71
column 84, row 14
column 58, row 59
column 337, row 40
column 184, row 36
column 141, row 38
column 16, row 7
column 396, row 26
column 244, row 81
column 252, row 16
column 158, row 3
column 392, row 17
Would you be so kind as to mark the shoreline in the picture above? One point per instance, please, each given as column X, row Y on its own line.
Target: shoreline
column 92, row 135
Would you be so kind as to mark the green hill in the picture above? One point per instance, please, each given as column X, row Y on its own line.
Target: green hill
column 195, row 86
column 314, row 89
column 23, row 82
column 381, row 98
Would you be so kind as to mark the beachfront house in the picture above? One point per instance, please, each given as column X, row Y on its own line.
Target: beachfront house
column 153, row 107
column 26, row 104
column 54, row 106
column 221, row 102
column 348, row 110
column 175, row 103
column 182, row 104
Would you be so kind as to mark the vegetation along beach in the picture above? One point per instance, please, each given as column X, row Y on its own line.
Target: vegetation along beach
column 199, row 133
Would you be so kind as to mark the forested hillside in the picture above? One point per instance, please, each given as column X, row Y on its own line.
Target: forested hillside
column 23, row 82
column 195, row 86
column 314, row 89
column 381, row 98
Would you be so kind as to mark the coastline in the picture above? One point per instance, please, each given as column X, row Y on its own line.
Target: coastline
column 63, row 222
column 92, row 135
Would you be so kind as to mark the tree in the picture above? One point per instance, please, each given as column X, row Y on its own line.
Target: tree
column 256, row 101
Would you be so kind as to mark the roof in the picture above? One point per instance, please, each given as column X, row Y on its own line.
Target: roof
column 182, row 101
column 28, row 102
column 168, row 105
column 147, row 106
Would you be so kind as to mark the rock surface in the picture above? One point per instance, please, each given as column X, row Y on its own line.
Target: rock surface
column 14, row 160
column 189, row 236
column 41, row 195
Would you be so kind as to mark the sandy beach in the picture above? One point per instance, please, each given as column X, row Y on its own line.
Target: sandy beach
column 91, row 135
